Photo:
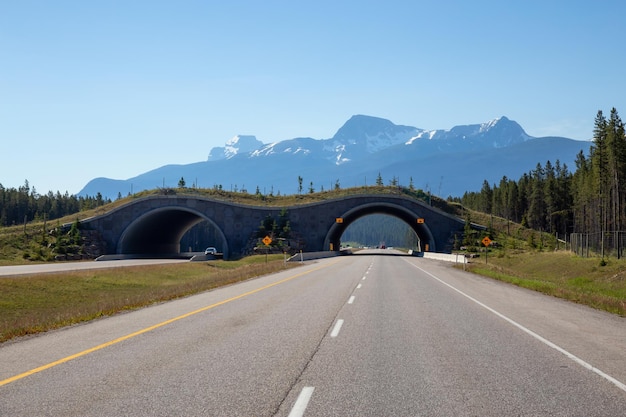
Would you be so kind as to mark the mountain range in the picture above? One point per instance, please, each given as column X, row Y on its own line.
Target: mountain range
column 444, row 162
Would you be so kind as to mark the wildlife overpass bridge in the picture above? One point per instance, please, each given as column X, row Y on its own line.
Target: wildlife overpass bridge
column 154, row 225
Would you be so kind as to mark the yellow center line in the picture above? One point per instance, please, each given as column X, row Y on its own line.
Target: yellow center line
column 156, row 326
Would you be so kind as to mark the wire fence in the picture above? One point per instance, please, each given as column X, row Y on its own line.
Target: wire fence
column 601, row 244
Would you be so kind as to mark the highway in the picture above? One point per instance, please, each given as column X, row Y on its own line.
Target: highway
column 365, row 335
column 47, row 268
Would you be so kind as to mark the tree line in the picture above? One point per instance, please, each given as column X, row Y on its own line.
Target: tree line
column 25, row 204
column 550, row 198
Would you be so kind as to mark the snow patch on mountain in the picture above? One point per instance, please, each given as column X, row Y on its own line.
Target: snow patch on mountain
column 239, row 144
column 496, row 133
column 302, row 146
column 371, row 134
column 362, row 135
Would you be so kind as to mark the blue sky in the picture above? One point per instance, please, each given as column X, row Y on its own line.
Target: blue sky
column 116, row 88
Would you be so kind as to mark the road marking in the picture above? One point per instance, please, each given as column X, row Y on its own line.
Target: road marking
column 301, row 403
column 358, row 286
column 543, row 340
column 156, row 326
column 351, row 300
column 336, row 329
column 364, row 277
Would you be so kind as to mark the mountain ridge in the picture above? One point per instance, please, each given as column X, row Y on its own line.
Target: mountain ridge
column 363, row 147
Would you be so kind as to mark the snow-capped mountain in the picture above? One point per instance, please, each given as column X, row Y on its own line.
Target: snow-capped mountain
column 502, row 131
column 367, row 135
column 358, row 136
column 236, row 145
column 364, row 135
column 449, row 162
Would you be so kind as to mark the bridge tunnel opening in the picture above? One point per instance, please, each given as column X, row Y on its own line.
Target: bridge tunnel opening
column 201, row 236
column 380, row 231
column 171, row 231
column 388, row 224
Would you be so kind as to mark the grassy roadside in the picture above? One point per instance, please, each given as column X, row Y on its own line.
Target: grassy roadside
column 33, row 304
column 561, row 274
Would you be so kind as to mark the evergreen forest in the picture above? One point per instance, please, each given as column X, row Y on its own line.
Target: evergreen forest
column 551, row 198
column 25, row 204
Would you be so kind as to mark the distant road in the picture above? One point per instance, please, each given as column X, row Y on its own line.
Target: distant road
column 347, row 336
column 35, row 269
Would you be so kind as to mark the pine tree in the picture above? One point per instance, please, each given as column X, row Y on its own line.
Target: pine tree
column 616, row 153
column 486, row 197
column 581, row 193
column 599, row 164
column 536, row 208
column 550, row 196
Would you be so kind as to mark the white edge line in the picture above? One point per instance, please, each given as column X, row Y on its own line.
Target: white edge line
column 543, row 340
column 301, row 403
column 337, row 327
column 351, row 300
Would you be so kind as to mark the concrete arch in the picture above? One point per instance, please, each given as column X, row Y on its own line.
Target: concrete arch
column 333, row 237
column 159, row 231
column 154, row 225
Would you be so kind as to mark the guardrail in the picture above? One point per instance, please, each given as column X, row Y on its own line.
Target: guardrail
column 458, row 258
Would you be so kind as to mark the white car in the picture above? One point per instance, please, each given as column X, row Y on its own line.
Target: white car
column 210, row 251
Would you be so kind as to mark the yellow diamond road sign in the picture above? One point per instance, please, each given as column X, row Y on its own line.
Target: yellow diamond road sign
column 267, row 240
column 486, row 241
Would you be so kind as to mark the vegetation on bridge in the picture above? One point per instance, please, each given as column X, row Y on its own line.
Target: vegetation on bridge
column 39, row 237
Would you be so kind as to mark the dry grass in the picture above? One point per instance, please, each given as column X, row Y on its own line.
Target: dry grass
column 34, row 304
column 563, row 275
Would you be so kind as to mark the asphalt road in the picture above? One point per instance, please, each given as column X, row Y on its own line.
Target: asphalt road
column 349, row 336
column 34, row 269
